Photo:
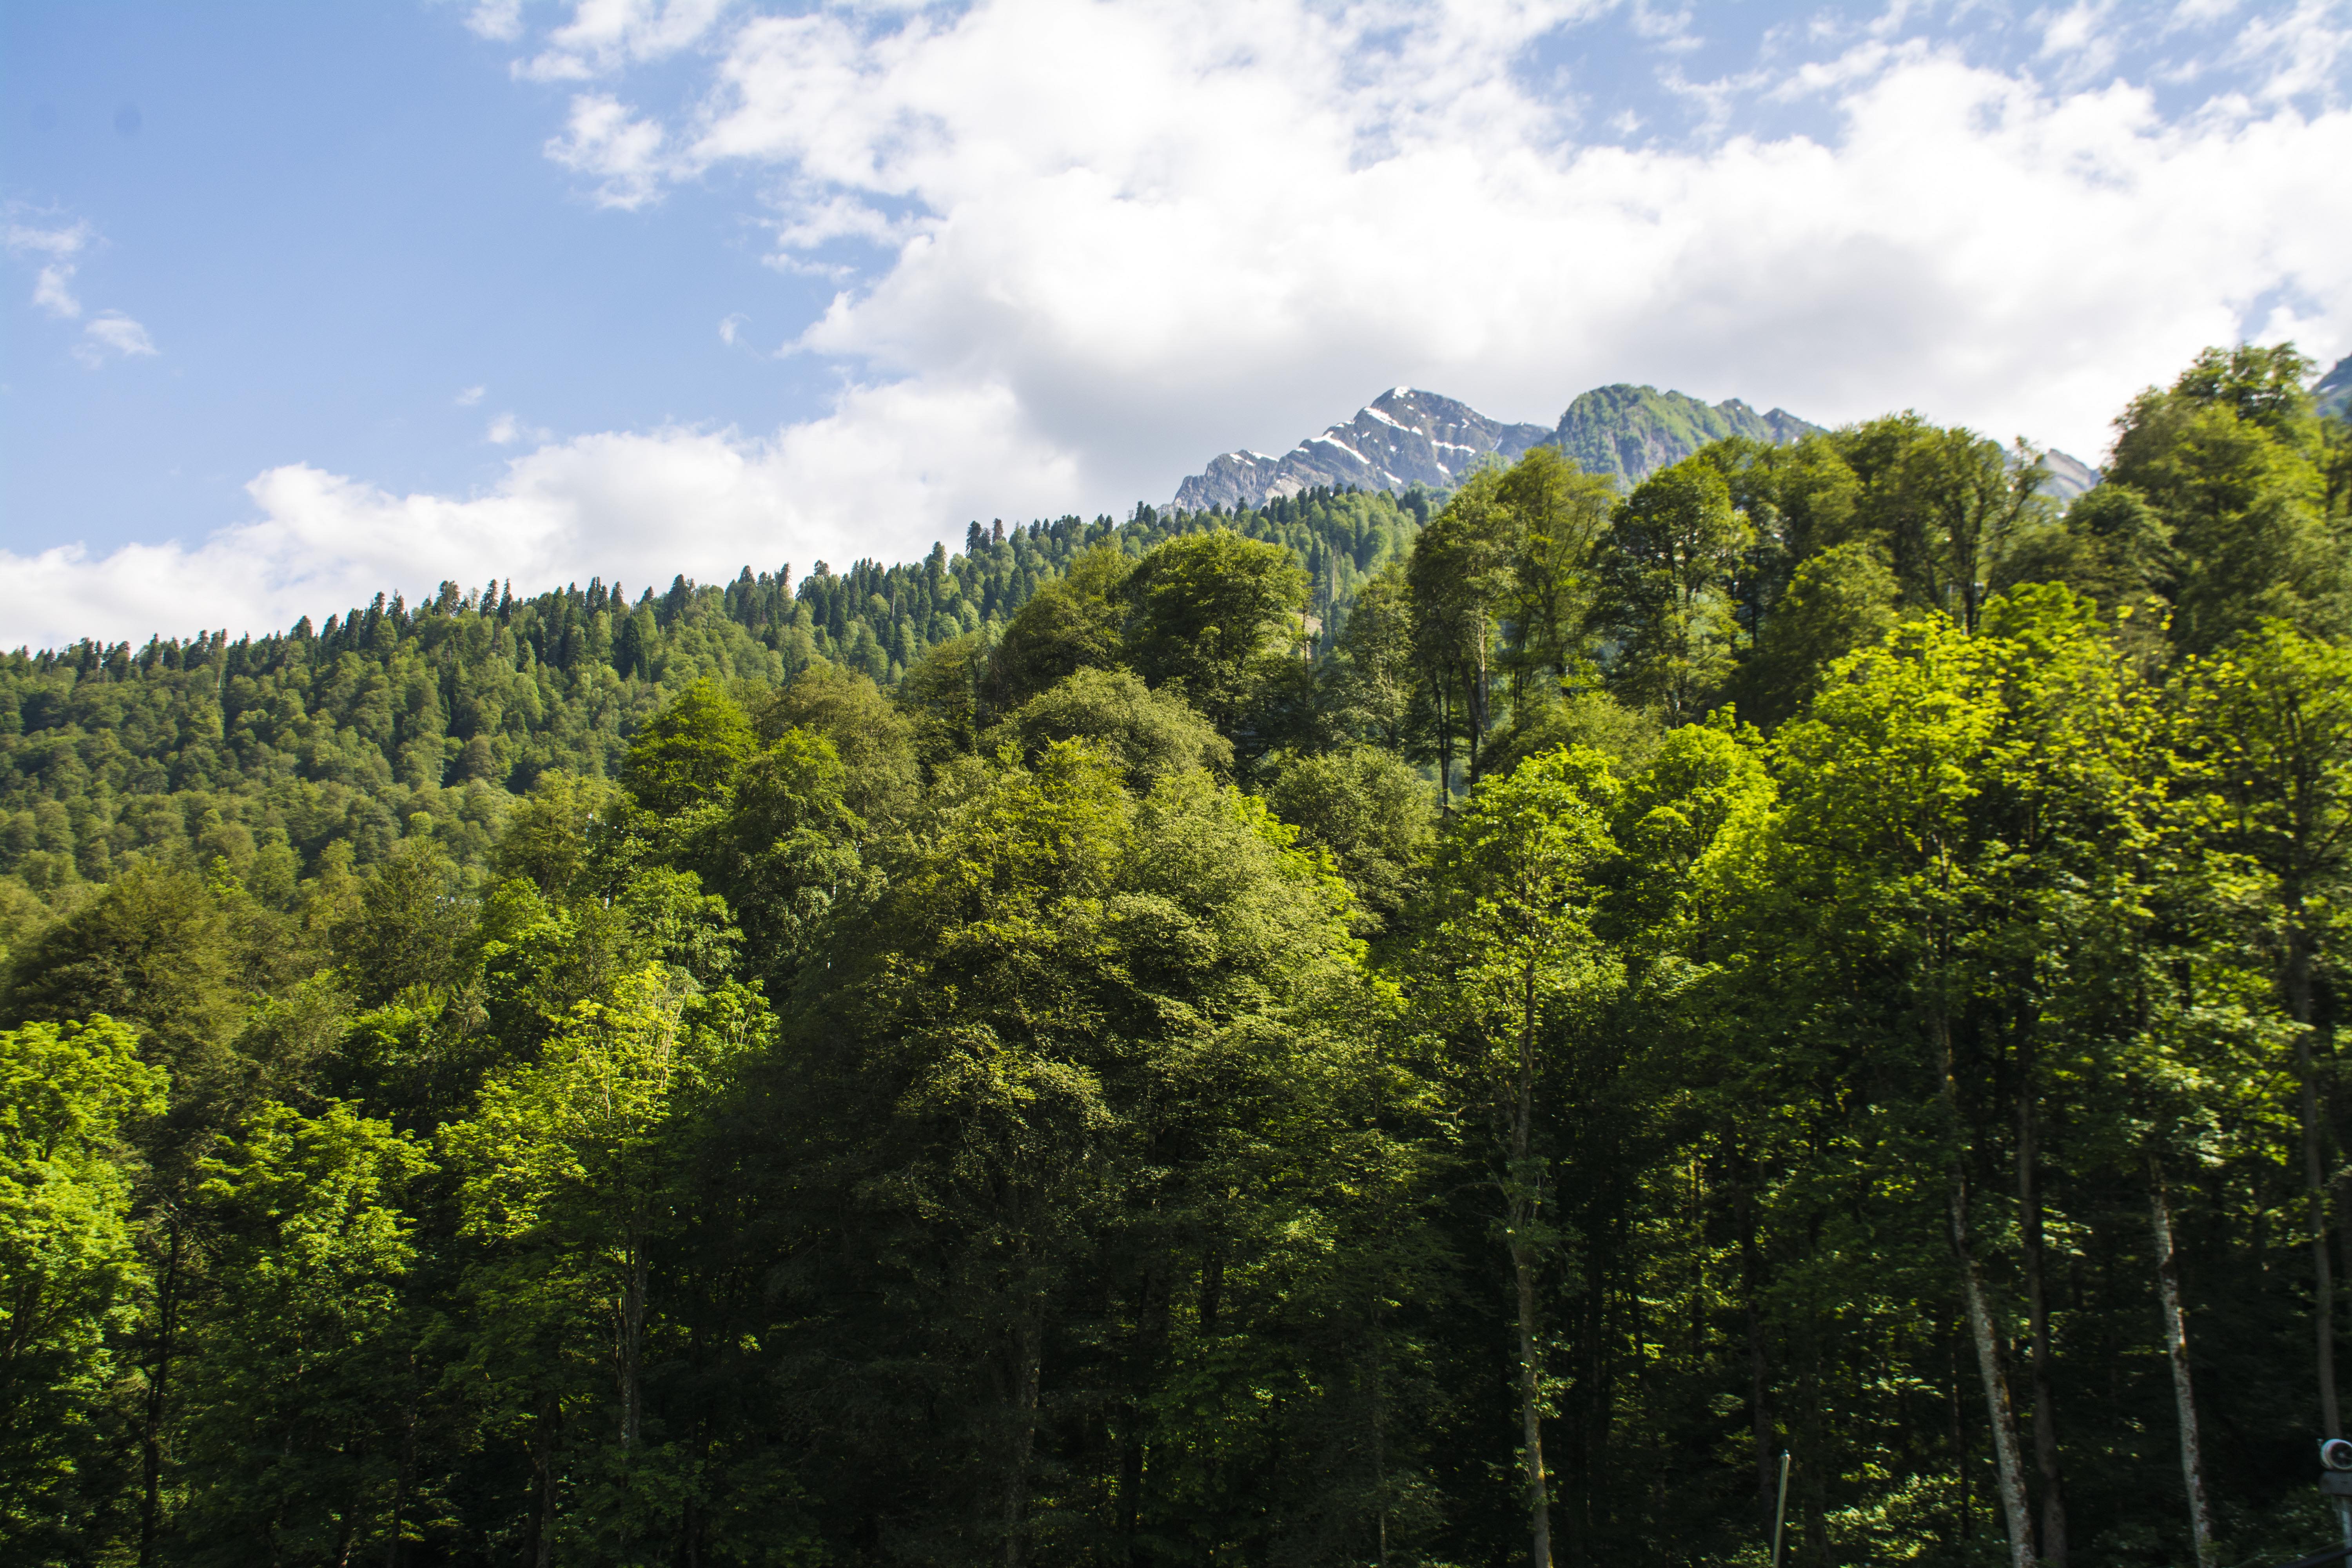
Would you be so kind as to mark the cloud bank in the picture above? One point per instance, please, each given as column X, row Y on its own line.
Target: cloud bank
column 631, row 508
column 1084, row 247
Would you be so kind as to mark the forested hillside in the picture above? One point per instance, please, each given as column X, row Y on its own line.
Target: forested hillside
column 284, row 746
column 1365, row 1031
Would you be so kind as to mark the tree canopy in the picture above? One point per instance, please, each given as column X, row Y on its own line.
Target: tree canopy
column 1459, row 1029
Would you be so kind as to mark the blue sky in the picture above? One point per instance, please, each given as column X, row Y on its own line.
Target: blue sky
column 303, row 301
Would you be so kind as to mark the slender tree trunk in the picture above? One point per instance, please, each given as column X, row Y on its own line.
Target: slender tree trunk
column 1480, row 698
column 1028, row 1345
column 159, row 1377
column 1377, row 1349
column 1811, row 1490
column 2176, row 1349
column 1964, row 1516
column 1525, row 1200
column 1151, row 1344
column 632, row 1332
column 1759, row 1412
column 407, row 1467
column 1530, row 1409
column 2007, row 1472
column 2323, row 1311
column 2045, row 1420
column 1444, row 741
column 347, row 1534
column 542, row 1462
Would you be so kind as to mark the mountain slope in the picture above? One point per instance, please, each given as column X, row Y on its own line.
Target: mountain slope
column 2334, row 392
column 1406, row 439
column 2069, row 477
column 1402, row 439
column 1633, row 431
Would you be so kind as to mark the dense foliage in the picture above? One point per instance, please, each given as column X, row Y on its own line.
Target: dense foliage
column 285, row 745
column 1364, row 1032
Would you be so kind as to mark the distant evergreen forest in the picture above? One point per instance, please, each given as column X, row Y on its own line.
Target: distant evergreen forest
column 1525, row 1026
column 342, row 733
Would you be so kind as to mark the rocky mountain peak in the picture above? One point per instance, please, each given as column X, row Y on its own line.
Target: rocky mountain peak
column 1407, row 437
column 1402, row 439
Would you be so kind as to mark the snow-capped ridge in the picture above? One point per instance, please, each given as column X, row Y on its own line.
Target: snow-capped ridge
column 1407, row 437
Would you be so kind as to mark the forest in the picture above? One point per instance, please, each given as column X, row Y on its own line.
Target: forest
column 1471, row 1029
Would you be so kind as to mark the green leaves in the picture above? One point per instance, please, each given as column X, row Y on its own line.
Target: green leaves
column 691, row 752
column 308, row 1361
column 1210, row 611
column 1674, row 545
column 71, row 1278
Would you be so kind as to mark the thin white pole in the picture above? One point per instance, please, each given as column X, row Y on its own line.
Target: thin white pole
column 1781, row 1514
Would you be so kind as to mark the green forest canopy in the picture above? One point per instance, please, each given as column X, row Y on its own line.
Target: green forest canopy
column 1401, row 1030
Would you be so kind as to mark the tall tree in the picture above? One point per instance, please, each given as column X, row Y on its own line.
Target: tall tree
column 1513, row 961
column 301, row 1425
column 2229, row 460
column 1674, row 543
column 1211, row 615
column 71, row 1276
column 2273, row 731
column 1459, row 577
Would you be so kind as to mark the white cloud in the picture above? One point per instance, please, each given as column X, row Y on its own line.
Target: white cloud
column 606, row 138
column 502, row 431
column 53, row 284
column 498, row 20
column 1085, row 245
column 111, row 331
column 53, row 290
column 471, row 396
column 605, row 35
column 728, row 326
column 1174, row 226
column 2079, row 40
column 636, row 507
column 2300, row 50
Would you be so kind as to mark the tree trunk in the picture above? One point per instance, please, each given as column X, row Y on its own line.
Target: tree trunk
column 1028, row 1344
column 2045, row 1422
column 1445, row 743
column 1524, row 1207
column 1963, row 1515
column 1530, row 1409
column 2175, row 1348
column 1759, row 1412
column 150, row 1427
column 2323, row 1286
column 632, row 1332
column 406, row 1471
column 542, row 1464
column 1479, row 697
column 1151, row 1341
column 2007, row 1472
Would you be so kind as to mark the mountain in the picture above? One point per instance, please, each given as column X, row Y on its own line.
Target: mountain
column 2069, row 477
column 1633, row 431
column 2334, row 391
column 1406, row 439
column 1402, row 439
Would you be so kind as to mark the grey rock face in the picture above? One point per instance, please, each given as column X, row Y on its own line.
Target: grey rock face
column 1403, row 438
column 2069, row 477
column 1406, row 437
column 2332, row 392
